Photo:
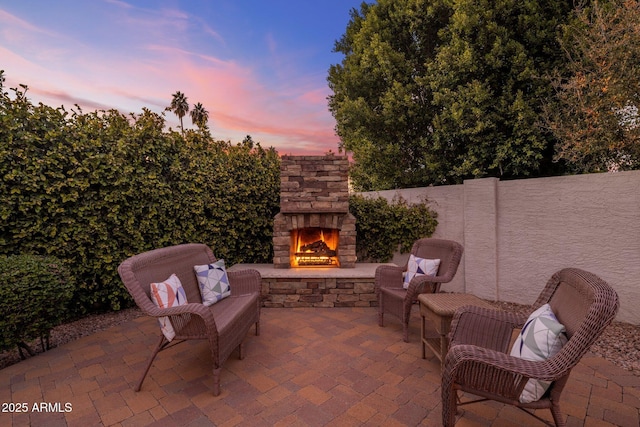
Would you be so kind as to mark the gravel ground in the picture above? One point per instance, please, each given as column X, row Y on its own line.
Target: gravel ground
column 620, row 342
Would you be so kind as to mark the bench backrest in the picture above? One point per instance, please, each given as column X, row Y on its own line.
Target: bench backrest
column 139, row 271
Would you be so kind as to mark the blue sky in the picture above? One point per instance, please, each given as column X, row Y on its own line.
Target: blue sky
column 259, row 67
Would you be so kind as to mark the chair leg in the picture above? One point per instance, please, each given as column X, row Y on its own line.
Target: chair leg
column 257, row 328
column 159, row 347
column 241, row 351
column 380, row 311
column 449, row 405
column 405, row 331
column 557, row 415
column 406, row 316
column 216, row 381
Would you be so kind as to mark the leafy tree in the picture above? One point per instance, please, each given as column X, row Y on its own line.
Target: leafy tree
column 596, row 114
column 199, row 116
column 180, row 106
column 488, row 90
column 382, row 105
column 436, row 91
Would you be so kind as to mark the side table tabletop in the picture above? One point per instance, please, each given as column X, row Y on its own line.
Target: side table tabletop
column 439, row 309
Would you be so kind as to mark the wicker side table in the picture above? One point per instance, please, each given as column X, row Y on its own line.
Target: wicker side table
column 439, row 309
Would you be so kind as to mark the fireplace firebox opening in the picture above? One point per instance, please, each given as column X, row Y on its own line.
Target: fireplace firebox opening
column 314, row 246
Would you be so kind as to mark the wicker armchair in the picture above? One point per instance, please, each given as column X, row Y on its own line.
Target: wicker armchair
column 224, row 324
column 478, row 361
column 395, row 300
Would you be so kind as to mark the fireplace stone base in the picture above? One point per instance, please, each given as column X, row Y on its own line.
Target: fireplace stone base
column 316, row 286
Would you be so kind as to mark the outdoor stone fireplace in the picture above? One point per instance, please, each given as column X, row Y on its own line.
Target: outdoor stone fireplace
column 314, row 227
column 314, row 240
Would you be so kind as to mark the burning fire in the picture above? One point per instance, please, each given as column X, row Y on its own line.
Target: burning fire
column 312, row 248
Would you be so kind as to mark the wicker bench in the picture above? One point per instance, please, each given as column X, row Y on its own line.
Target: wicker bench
column 224, row 324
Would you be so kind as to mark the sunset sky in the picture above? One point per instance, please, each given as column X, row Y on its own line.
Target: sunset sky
column 259, row 67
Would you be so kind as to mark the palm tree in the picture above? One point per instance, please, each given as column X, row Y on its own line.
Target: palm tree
column 179, row 106
column 199, row 116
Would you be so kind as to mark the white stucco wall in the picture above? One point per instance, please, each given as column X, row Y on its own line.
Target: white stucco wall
column 517, row 233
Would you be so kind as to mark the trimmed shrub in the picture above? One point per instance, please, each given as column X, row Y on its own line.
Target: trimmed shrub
column 384, row 228
column 34, row 295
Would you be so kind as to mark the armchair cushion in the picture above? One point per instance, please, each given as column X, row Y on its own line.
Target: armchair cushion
column 542, row 336
column 167, row 294
column 420, row 266
column 213, row 282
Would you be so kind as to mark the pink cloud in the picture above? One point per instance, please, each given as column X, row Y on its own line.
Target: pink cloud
column 69, row 100
column 119, row 3
column 316, row 96
column 13, row 22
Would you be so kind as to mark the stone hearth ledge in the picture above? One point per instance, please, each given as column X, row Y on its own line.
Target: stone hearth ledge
column 268, row 271
column 317, row 286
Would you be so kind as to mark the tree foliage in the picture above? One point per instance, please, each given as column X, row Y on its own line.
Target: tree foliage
column 436, row 91
column 488, row 89
column 95, row 188
column 199, row 116
column 180, row 106
column 595, row 113
column 382, row 106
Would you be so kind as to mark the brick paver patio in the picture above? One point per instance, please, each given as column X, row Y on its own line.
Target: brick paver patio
column 309, row 367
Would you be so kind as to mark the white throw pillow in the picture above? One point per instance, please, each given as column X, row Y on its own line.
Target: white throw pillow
column 541, row 337
column 169, row 293
column 213, row 282
column 420, row 266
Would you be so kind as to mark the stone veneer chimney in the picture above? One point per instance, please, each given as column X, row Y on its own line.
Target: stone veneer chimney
column 314, row 192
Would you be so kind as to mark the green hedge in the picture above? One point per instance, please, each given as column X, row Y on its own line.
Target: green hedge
column 95, row 188
column 384, row 228
column 34, row 295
